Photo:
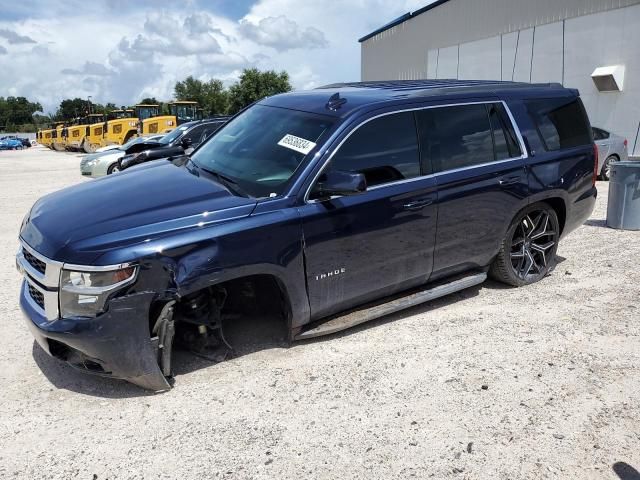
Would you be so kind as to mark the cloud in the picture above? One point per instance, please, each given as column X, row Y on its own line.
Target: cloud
column 13, row 37
column 160, row 23
column 89, row 68
column 198, row 23
column 40, row 50
column 283, row 34
column 123, row 61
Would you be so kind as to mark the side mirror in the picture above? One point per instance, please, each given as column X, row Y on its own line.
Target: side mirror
column 186, row 142
column 339, row 183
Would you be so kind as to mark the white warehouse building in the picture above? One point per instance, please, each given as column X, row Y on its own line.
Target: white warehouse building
column 591, row 45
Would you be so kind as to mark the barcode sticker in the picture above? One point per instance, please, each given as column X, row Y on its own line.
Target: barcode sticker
column 296, row 143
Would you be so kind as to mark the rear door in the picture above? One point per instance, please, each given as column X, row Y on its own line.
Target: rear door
column 478, row 164
column 369, row 245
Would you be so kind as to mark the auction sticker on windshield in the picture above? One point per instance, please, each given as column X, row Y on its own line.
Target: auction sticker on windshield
column 296, row 143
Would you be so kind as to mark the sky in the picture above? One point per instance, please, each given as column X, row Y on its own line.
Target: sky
column 122, row 51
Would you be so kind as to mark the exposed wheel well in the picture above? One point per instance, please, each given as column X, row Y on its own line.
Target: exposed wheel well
column 561, row 210
column 257, row 293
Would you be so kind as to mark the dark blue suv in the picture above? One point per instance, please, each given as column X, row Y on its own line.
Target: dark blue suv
column 325, row 208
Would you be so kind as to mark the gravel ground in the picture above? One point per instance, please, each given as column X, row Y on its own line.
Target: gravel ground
column 493, row 382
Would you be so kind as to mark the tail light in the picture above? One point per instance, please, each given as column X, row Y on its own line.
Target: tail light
column 625, row 143
column 595, row 165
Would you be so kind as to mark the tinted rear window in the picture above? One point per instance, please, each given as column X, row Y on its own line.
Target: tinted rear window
column 455, row 137
column 561, row 122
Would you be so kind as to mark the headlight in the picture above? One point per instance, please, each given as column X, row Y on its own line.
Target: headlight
column 85, row 293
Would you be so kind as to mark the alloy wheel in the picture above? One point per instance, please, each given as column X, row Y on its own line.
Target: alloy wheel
column 532, row 245
column 607, row 167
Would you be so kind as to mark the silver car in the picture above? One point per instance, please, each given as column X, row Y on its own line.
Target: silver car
column 611, row 148
column 104, row 163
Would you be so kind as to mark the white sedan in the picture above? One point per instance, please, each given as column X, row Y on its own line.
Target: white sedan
column 103, row 163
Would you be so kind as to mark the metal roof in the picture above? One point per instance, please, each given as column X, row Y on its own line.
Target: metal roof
column 402, row 19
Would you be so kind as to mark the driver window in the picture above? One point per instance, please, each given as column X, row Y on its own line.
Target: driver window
column 384, row 150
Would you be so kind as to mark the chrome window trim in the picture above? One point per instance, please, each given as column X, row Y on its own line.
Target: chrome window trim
column 515, row 126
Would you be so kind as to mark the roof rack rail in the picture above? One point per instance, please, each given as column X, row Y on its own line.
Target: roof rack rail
column 428, row 84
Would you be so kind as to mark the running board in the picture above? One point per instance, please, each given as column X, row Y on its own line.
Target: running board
column 371, row 312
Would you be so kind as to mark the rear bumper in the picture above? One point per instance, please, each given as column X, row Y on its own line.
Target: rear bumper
column 116, row 344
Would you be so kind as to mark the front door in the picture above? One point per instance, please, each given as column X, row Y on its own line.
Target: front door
column 369, row 245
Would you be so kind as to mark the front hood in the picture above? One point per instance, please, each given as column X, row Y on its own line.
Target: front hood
column 80, row 223
column 93, row 156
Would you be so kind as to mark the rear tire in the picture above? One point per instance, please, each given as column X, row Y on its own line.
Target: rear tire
column 605, row 173
column 528, row 251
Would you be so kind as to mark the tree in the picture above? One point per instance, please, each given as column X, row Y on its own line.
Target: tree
column 17, row 111
column 255, row 85
column 72, row 108
column 150, row 101
column 211, row 95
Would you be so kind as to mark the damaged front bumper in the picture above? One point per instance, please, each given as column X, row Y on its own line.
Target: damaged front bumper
column 115, row 344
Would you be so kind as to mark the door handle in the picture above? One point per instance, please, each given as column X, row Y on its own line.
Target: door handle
column 510, row 180
column 418, row 204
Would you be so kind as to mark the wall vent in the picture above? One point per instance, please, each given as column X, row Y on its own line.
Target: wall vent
column 609, row 79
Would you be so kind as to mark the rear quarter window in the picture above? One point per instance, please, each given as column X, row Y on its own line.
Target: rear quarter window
column 561, row 122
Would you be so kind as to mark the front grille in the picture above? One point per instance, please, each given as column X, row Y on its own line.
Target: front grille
column 39, row 265
column 37, row 296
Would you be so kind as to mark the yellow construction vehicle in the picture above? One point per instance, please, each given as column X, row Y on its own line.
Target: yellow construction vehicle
column 76, row 133
column 151, row 122
column 149, row 119
column 185, row 111
column 120, row 127
column 93, row 133
column 58, row 136
column 44, row 137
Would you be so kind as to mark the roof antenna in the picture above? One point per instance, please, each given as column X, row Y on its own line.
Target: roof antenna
column 335, row 102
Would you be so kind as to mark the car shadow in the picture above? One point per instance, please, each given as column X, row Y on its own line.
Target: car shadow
column 65, row 377
column 624, row 471
column 596, row 223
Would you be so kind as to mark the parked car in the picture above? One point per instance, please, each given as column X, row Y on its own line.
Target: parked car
column 324, row 208
column 183, row 139
column 25, row 142
column 10, row 143
column 104, row 163
column 611, row 148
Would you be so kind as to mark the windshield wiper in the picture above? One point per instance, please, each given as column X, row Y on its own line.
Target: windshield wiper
column 226, row 181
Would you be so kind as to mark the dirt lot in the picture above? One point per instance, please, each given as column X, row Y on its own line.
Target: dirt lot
column 396, row 398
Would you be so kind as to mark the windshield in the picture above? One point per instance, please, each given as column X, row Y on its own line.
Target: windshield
column 136, row 140
column 185, row 112
column 262, row 147
column 147, row 112
column 173, row 135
